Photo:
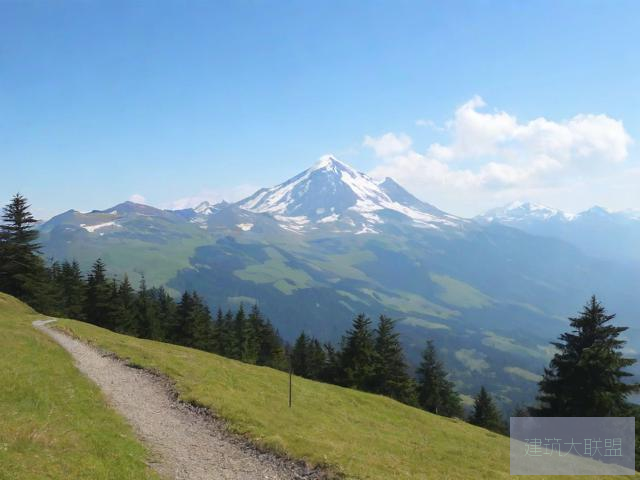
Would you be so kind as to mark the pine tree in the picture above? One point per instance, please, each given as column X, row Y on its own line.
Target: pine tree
column 270, row 345
column 165, row 314
column 332, row 372
column 358, row 355
column 73, row 290
column 200, row 324
column 125, row 315
column 143, row 310
column 21, row 268
column 181, row 333
column 251, row 332
column 436, row 393
column 299, row 360
column 391, row 376
column 585, row 377
column 97, row 302
column 238, row 334
column 316, row 359
column 485, row 413
column 218, row 333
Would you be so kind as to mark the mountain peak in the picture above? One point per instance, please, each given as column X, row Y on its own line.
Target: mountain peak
column 522, row 211
column 329, row 162
column 332, row 192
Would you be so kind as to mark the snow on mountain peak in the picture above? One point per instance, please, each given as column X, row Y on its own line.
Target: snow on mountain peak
column 331, row 189
column 329, row 162
column 519, row 211
column 203, row 208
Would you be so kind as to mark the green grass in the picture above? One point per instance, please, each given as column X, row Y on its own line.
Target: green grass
column 54, row 423
column 459, row 294
column 357, row 434
column 276, row 272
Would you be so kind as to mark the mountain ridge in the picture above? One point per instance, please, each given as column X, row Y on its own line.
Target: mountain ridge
column 491, row 296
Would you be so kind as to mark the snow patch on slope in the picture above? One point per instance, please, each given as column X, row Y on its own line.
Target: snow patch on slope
column 93, row 228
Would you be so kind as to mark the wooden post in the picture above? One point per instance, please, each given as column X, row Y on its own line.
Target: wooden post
column 290, row 382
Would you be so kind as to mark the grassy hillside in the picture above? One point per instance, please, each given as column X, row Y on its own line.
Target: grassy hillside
column 358, row 434
column 54, row 422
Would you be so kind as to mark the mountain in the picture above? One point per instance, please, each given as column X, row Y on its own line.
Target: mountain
column 333, row 197
column 332, row 242
column 130, row 237
column 597, row 231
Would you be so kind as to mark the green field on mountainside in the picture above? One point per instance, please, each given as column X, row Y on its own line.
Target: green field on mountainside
column 356, row 434
column 54, row 423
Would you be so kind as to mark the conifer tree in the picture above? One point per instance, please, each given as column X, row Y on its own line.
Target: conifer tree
column 436, row 393
column 181, row 333
column 144, row 313
column 332, row 372
column 299, row 352
column 200, row 324
column 217, row 333
column 97, row 302
column 238, row 333
column 73, row 287
column 165, row 314
column 316, row 359
column 586, row 376
column 358, row 355
column 391, row 376
column 125, row 315
column 485, row 413
column 270, row 346
column 21, row 267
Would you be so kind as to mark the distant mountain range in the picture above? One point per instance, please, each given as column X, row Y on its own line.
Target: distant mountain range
column 597, row 231
column 332, row 242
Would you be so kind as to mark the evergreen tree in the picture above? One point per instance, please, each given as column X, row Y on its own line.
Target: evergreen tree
column 165, row 314
column 200, row 324
column 436, row 393
column 181, row 333
column 391, row 376
column 143, row 310
column 73, row 290
column 485, row 413
column 21, row 268
column 97, row 301
column 332, row 372
column 299, row 352
column 251, row 332
column 358, row 355
column 125, row 315
column 238, row 334
column 217, row 333
column 270, row 346
column 586, row 376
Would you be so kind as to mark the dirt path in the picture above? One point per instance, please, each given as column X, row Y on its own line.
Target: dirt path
column 185, row 443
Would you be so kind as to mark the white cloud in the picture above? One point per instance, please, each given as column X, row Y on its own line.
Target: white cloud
column 232, row 194
column 388, row 144
column 421, row 122
column 491, row 156
column 137, row 198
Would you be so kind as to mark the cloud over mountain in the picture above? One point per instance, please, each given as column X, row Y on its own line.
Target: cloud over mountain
column 493, row 156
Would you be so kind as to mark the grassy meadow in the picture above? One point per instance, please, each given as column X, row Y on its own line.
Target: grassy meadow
column 356, row 434
column 54, row 423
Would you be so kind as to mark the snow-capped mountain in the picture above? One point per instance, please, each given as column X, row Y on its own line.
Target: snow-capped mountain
column 108, row 220
column 332, row 195
column 517, row 213
column 332, row 242
column 598, row 231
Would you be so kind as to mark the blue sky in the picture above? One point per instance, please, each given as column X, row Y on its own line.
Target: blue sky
column 173, row 101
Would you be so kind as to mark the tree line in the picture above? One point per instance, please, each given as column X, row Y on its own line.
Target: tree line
column 587, row 375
